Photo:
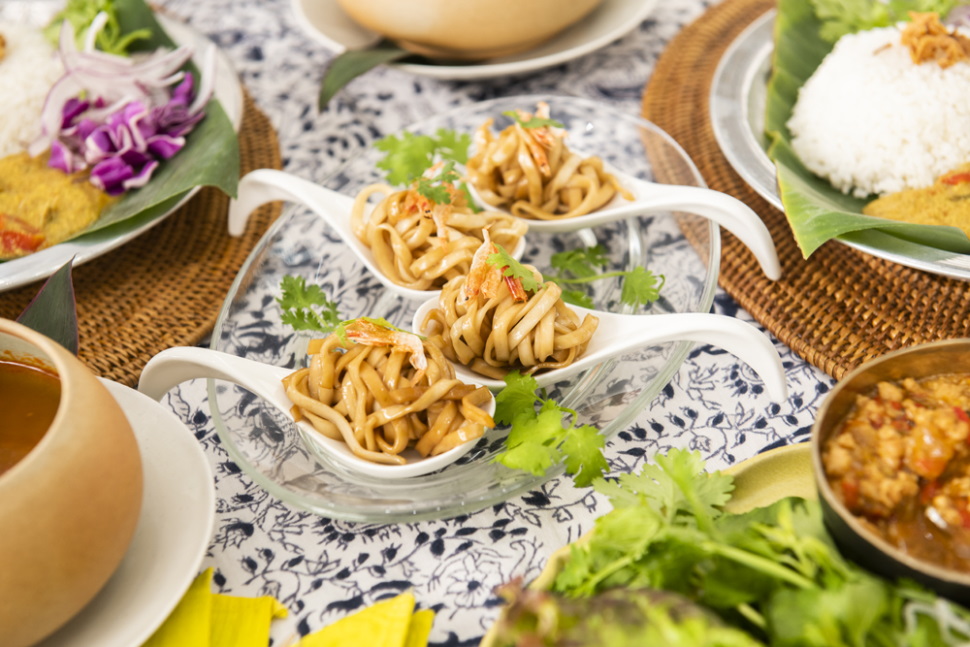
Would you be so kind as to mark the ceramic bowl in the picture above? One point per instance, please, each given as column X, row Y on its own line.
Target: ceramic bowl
column 68, row 509
column 856, row 540
column 470, row 29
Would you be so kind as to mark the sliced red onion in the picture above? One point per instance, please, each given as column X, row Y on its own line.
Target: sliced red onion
column 136, row 111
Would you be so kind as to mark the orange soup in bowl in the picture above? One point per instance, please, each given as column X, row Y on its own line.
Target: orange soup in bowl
column 29, row 397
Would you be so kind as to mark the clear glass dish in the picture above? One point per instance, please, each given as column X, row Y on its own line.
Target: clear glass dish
column 270, row 448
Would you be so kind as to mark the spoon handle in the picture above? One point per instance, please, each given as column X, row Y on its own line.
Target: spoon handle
column 173, row 366
column 269, row 185
column 727, row 211
column 741, row 339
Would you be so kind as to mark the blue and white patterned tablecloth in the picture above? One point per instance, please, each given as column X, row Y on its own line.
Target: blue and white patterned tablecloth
column 322, row 569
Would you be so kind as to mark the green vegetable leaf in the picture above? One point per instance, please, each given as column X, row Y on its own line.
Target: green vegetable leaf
column 306, row 307
column 348, row 65
column 532, row 122
column 513, row 268
column 80, row 13
column 540, row 439
column 641, row 286
column 407, row 157
column 581, row 263
column 53, row 310
column 436, row 188
column 841, row 17
column 579, row 266
column 517, row 396
column 469, row 199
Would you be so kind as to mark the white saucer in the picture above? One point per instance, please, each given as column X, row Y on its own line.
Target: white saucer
column 171, row 539
column 328, row 23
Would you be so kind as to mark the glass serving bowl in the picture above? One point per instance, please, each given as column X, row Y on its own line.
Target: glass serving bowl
column 265, row 443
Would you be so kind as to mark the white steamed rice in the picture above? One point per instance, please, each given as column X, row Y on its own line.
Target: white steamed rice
column 871, row 121
column 27, row 72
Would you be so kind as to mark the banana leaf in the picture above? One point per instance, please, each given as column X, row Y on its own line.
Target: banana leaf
column 210, row 156
column 817, row 212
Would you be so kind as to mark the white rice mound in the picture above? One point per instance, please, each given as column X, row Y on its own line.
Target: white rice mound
column 871, row 121
column 27, row 72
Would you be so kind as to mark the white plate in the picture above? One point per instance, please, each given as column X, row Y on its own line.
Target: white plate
column 329, row 24
column 738, row 95
column 42, row 264
column 170, row 541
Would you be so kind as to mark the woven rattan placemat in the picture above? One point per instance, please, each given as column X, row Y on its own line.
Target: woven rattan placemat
column 165, row 287
column 836, row 309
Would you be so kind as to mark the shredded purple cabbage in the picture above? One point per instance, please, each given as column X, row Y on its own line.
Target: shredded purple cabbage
column 124, row 146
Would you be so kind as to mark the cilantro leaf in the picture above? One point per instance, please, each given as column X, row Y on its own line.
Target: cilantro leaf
column 436, row 188
column 532, row 122
column 306, row 307
column 641, row 286
column 518, row 395
column 513, row 268
column 540, row 439
column 407, row 157
column 469, row 199
column 580, row 266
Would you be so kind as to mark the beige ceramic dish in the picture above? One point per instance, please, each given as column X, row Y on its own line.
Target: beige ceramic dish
column 758, row 482
column 68, row 509
column 467, row 29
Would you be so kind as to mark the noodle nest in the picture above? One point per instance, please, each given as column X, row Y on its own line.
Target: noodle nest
column 495, row 335
column 374, row 400
column 532, row 173
column 422, row 245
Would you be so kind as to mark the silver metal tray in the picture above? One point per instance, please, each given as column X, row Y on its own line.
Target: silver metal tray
column 737, row 103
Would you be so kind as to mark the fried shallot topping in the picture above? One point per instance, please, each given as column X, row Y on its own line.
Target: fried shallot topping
column 929, row 41
column 3, row 47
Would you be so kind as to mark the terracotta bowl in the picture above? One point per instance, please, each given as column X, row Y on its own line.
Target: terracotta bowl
column 856, row 540
column 68, row 509
column 467, row 29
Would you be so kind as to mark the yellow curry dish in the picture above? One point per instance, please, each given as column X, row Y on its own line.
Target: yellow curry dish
column 41, row 206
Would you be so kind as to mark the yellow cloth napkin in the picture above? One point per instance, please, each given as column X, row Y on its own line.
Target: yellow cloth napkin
column 206, row 619
column 388, row 623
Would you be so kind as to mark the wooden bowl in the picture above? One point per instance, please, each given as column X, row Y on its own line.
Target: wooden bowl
column 467, row 29
column 854, row 538
column 68, row 509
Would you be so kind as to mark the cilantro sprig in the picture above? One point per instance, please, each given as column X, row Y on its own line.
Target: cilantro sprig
column 306, row 307
column 513, row 268
column 532, row 122
column 542, row 437
column 407, row 157
column 773, row 572
column 435, row 188
column 580, row 266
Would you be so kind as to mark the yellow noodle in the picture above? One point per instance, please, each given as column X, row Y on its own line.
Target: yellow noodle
column 532, row 173
column 373, row 399
column 421, row 245
column 493, row 336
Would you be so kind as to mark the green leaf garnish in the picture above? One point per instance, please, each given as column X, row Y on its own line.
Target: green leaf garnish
column 469, row 199
column 579, row 266
column 407, row 157
column 348, row 65
column 841, row 17
column 306, row 307
column 341, row 329
column 436, row 188
column 539, row 439
column 80, row 13
column 53, row 311
column 513, row 268
column 532, row 122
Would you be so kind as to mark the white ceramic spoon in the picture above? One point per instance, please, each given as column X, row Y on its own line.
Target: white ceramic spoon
column 176, row 365
column 620, row 333
column 268, row 185
column 652, row 197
